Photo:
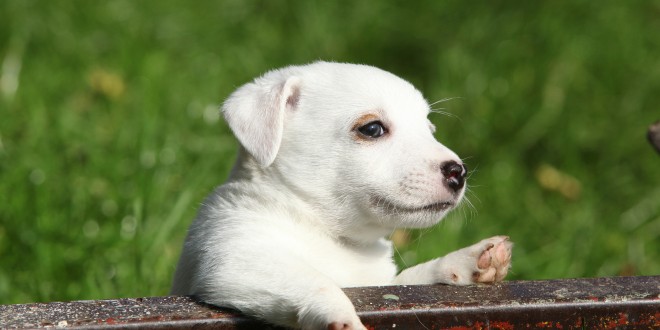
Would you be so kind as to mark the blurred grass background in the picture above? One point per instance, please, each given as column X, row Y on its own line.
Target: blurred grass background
column 110, row 135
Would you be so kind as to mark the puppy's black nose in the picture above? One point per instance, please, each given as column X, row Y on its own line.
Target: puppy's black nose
column 454, row 174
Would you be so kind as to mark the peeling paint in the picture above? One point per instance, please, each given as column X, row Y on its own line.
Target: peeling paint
column 390, row 297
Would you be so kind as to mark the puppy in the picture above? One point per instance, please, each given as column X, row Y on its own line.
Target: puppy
column 334, row 158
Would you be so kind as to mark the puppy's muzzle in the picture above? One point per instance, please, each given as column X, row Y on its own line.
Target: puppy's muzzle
column 454, row 174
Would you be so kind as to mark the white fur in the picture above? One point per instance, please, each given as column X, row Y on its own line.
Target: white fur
column 310, row 200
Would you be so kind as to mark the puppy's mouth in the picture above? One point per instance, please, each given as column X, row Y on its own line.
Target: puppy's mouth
column 393, row 207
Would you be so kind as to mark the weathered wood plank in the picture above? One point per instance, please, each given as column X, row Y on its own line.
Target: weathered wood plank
column 618, row 302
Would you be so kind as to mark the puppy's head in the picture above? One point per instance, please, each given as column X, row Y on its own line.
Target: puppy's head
column 352, row 140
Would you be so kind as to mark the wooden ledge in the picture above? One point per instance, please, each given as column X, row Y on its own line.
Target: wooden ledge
column 618, row 302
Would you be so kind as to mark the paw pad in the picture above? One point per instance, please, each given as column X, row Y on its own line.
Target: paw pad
column 494, row 261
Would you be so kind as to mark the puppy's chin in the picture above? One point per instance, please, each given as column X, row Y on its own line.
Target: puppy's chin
column 412, row 221
column 399, row 215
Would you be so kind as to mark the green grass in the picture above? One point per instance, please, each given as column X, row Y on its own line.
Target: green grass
column 111, row 137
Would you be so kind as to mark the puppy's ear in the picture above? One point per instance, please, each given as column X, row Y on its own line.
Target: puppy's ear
column 255, row 113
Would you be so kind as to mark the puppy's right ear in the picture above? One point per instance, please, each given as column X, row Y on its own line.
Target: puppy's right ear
column 255, row 113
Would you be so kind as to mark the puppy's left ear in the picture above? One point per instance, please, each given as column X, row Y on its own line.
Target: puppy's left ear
column 255, row 113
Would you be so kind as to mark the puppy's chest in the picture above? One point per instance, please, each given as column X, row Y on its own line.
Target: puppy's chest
column 351, row 266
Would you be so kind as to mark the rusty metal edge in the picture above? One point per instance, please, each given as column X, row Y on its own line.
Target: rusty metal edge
column 623, row 302
column 601, row 315
column 653, row 135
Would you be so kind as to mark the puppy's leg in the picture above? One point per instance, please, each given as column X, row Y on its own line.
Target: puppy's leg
column 299, row 297
column 485, row 262
column 329, row 309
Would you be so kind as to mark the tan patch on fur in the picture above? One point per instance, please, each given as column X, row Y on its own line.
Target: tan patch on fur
column 363, row 120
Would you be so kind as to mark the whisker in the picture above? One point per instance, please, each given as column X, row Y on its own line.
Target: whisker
column 439, row 110
column 445, row 100
column 398, row 253
column 444, row 113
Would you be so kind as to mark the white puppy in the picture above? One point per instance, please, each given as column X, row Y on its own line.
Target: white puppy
column 334, row 158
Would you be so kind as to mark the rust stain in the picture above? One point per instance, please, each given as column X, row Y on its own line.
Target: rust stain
column 501, row 325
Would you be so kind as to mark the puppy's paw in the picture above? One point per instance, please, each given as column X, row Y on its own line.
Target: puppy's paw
column 494, row 260
column 485, row 262
column 351, row 322
column 330, row 309
column 345, row 326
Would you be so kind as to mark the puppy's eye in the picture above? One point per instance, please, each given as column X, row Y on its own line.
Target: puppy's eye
column 373, row 129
